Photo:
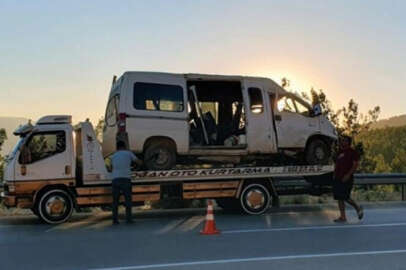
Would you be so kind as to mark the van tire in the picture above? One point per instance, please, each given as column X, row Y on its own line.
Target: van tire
column 55, row 206
column 255, row 198
column 318, row 152
column 160, row 155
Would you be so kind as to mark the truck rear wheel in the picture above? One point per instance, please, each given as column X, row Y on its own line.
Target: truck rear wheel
column 160, row 155
column 34, row 210
column 55, row 206
column 255, row 199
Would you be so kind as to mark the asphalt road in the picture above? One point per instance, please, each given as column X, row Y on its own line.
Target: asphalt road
column 289, row 238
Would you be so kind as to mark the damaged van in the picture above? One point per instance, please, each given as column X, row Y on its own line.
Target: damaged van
column 171, row 119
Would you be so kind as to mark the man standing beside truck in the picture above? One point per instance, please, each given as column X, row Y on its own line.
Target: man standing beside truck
column 121, row 162
column 346, row 165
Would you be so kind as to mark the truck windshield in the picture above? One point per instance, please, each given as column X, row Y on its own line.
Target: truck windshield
column 13, row 152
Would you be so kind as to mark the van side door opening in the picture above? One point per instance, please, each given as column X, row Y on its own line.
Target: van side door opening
column 216, row 114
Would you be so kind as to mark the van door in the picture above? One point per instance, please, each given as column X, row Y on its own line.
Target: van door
column 156, row 107
column 46, row 155
column 258, row 125
column 294, row 123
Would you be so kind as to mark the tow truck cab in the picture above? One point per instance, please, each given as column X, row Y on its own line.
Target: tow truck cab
column 48, row 144
column 48, row 157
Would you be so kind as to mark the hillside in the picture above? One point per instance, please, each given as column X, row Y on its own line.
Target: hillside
column 395, row 121
column 10, row 124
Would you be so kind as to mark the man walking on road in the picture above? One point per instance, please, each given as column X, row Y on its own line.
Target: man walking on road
column 345, row 167
column 121, row 163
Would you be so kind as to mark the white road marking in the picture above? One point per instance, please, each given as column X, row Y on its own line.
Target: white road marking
column 191, row 223
column 343, row 226
column 256, row 259
column 88, row 221
column 171, row 226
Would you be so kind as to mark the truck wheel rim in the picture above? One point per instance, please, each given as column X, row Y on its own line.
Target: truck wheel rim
column 55, row 206
column 255, row 199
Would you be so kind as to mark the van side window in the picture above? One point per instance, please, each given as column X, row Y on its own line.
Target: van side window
column 158, row 97
column 43, row 145
column 111, row 111
column 256, row 103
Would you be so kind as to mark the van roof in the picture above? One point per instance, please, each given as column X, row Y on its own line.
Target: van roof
column 191, row 76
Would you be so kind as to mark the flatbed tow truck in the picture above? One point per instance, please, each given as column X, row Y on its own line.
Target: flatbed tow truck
column 56, row 168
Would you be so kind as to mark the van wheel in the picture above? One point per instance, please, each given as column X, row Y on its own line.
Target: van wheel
column 55, row 206
column 255, row 199
column 318, row 152
column 160, row 156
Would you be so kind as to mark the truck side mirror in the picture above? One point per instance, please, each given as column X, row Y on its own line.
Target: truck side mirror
column 25, row 155
column 317, row 110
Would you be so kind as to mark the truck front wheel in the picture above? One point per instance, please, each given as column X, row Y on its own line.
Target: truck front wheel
column 255, row 199
column 55, row 206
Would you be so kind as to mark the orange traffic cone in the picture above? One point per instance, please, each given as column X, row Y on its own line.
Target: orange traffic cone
column 210, row 226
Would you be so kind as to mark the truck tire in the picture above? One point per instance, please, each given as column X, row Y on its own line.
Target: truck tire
column 34, row 210
column 255, row 199
column 160, row 155
column 55, row 206
column 318, row 153
column 229, row 204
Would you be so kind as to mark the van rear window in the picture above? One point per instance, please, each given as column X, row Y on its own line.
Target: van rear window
column 158, row 97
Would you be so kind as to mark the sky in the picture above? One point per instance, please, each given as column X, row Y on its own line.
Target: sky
column 59, row 57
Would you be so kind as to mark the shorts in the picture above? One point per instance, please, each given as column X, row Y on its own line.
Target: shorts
column 342, row 191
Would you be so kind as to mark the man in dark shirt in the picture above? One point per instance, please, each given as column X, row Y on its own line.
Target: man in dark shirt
column 345, row 167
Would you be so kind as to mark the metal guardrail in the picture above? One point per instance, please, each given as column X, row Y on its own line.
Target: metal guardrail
column 380, row 178
column 360, row 179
